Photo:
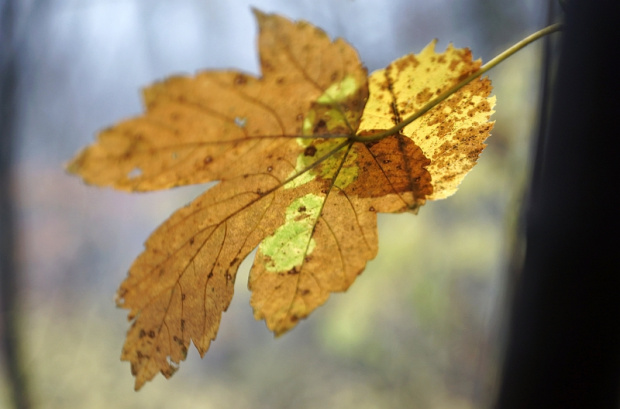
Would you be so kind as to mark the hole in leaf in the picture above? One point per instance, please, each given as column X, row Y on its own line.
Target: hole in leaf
column 135, row 173
column 240, row 122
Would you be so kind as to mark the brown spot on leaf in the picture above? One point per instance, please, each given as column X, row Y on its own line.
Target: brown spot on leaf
column 310, row 151
column 320, row 127
column 424, row 96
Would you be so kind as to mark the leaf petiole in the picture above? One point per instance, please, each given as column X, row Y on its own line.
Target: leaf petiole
column 446, row 94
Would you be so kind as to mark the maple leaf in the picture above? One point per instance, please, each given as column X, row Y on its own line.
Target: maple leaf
column 305, row 158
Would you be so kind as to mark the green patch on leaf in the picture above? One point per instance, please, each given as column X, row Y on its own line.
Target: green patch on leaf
column 291, row 242
column 339, row 91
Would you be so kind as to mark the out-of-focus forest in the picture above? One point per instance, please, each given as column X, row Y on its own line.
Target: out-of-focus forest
column 420, row 328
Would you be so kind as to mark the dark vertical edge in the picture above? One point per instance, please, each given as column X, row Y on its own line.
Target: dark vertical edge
column 9, row 288
column 548, row 53
column 563, row 347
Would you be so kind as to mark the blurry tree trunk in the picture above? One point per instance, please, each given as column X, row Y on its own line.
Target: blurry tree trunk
column 9, row 289
column 563, row 348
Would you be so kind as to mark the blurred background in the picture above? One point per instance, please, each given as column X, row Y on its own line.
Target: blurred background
column 420, row 328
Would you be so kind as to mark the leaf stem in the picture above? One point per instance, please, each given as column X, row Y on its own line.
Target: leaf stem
column 446, row 94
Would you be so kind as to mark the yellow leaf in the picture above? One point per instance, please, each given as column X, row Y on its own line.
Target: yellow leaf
column 300, row 177
column 452, row 134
